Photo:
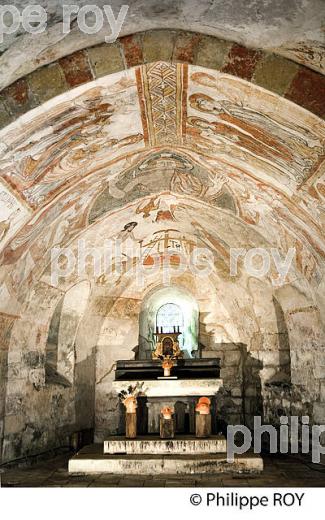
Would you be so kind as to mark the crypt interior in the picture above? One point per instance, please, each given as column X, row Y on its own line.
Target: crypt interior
column 199, row 130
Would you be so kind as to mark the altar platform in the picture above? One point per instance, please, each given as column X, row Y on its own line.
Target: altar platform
column 154, row 456
column 154, row 445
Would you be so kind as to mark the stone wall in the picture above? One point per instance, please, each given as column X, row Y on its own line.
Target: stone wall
column 240, row 397
column 118, row 339
column 6, row 324
column 278, row 370
column 37, row 416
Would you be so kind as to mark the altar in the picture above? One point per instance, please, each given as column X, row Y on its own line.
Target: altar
column 150, row 454
column 180, row 392
column 168, row 400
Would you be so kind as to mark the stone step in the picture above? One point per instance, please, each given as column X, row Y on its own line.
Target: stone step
column 181, row 444
column 90, row 459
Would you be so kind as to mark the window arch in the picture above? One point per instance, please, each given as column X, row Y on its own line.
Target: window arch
column 180, row 305
column 168, row 316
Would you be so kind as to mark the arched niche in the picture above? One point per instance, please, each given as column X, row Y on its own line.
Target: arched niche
column 187, row 318
column 60, row 347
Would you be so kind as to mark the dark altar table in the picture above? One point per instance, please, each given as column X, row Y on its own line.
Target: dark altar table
column 132, row 370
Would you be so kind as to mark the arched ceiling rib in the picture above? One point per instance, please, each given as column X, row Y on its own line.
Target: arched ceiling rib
column 291, row 28
column 301, row 85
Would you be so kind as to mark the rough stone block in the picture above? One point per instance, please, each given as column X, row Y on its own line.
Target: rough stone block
column 105, row 59
column 17, row 385
column 241, row 61
column 5, row 115
column 212, row 52
column 132, row 47
column 14, row 404
column 286, row 404
column 319, row 413
column 251, row 391
column 320, row 357
column 228, row 373
column 158, row 45
column 256, row 342
column 47, row 82
column 16, row 371
column 267, row 373
column 234, row 418
column 186, row 47
column 275, row 73
column 252, row 361
column 270, row 342
column 269, row 358
column 14, row 424
column 237, row 402
column 232, row 358
column 308, row 90
column 219, row 354
column 319, row 372
column 17, row 97
column 236, row 391
column 34, row 359
column 210, row 354
column 76, row 68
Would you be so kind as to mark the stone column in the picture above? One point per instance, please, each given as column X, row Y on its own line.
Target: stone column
column 203, row 425
column 130, row 425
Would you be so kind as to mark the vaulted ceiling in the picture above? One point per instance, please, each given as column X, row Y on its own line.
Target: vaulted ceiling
column 175, row 150
column 205, row 135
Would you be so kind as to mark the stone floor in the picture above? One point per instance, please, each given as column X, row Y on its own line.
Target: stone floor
column 279, row 471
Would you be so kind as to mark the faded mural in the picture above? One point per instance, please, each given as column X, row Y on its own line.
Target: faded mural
column 162, row 156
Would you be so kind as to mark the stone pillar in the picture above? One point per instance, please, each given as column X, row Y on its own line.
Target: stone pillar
column 203, row 425
column 167, row 430
column 130, row 425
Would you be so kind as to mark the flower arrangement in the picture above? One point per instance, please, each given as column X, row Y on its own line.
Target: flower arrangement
column 129, row 397
column 167, row 365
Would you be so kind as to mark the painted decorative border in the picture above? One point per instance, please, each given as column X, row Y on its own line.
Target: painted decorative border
column 284, row 77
